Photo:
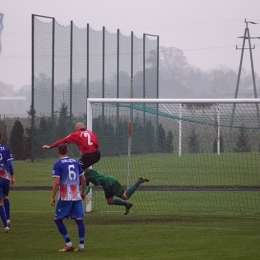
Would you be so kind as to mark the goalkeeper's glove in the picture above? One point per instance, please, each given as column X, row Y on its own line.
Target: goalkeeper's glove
column 88, row 187
column 87, row 190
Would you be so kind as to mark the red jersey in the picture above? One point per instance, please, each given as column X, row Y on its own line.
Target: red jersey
column 86, row 141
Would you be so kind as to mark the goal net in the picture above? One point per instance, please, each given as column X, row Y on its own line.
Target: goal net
column 200, row 155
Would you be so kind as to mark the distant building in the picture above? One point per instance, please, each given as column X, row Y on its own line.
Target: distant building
column 11, row 105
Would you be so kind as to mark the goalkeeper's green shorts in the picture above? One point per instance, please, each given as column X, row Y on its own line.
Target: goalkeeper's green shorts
column 112, row 187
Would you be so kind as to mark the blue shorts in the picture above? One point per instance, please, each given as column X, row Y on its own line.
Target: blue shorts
column 69, row 209
column 4, row 187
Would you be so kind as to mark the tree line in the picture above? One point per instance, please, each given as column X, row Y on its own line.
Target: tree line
column 113, row 136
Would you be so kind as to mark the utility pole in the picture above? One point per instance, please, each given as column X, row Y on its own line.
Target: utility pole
column 246, row 37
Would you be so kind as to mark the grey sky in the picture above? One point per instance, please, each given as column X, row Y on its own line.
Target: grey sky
column 206, row 30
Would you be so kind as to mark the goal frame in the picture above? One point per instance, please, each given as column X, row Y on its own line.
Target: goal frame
column 235, row 101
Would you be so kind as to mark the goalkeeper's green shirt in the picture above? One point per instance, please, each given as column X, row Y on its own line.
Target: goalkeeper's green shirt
column 95, row 177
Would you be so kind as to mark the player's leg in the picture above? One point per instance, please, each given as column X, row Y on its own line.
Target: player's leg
column 62, row 211
column 88, row 160
column 131, row 190
column 7, row 210
column 4, row 189
column 114, row 188
column 2, row 215
column 120, row 202
column 81, row 234
column 63, row 231
column 77, row 213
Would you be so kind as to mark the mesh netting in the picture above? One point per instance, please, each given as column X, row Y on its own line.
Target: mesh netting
column 71, row 64
column 197, row 156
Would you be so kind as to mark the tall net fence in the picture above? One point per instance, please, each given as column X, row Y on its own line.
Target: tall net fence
column 199, row 157
column 71, row 64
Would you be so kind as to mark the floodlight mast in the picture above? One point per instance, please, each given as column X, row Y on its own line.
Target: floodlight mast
column 246, row 37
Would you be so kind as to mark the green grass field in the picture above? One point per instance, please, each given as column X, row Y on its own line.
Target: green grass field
column 142, row 235
column 162, row 225
column 190, row 169
column 203, row 170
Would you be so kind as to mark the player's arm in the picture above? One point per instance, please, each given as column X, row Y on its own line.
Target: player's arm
column 56, row 144
column 11, row 170
column 56, row 182
column 82, row 181
column 83, row 185
column 55, row 188
column 70, row 139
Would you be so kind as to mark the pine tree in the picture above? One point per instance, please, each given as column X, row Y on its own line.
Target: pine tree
column 149, row 137
column 161, row 139
column 108, row 139
column 242, row 143
column 17, row 141
column 138, row 144
column 169, row 142
column 3, row 130
column 44, row 135
column 193, row 142
column 63, row 127
column 28, row 133
column 121, row 137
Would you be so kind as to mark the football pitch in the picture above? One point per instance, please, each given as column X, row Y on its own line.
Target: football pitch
column 148, row 234
column 109, row 235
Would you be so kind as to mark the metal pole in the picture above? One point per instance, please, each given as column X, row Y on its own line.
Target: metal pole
column 180, row 128
column 87, row 63
column 103, row 76
column 132, row 64
column 117, row 92
column 252, row 64
column 157, row 94
column 132, row 71
column 144, row 36
column 71, row 69
column 130, row 124
column 117, row 64
column 157, row 68
column 130, row 132
column 52, row 78
column 32, row 107
column 218, row 135
column 103, row 63
column 238, row 77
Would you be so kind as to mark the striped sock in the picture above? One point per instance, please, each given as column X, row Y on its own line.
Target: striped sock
column 7, row 208
column 2, row 215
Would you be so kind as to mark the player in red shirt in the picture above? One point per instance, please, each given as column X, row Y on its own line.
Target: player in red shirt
column 87, row 143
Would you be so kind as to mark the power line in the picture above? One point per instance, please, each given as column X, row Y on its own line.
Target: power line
column 184, row 24
column 150, row 27
column 208, row 48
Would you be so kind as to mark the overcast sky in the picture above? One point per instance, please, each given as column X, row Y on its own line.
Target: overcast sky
column 206, row 30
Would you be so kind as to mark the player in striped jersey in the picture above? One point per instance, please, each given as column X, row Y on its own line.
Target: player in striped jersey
column 6, row 178
column 70, row 181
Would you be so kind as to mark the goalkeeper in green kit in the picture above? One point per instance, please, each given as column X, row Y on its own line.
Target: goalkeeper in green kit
column 112, row 187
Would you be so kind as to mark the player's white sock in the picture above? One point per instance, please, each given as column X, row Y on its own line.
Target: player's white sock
column 69, row 244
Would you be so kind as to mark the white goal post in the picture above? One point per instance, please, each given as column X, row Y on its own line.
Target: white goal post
column 89, row 201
